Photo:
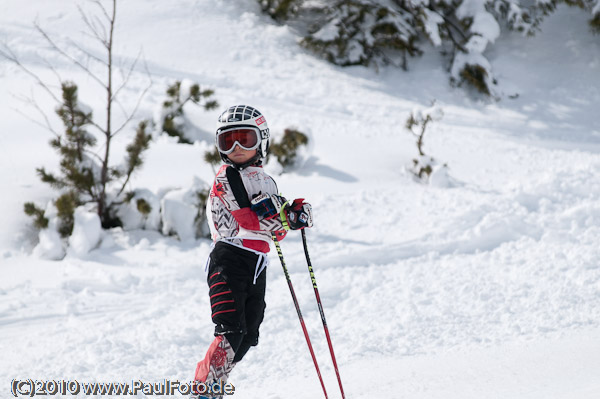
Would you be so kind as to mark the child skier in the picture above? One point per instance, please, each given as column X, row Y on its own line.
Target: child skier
column 244, row 210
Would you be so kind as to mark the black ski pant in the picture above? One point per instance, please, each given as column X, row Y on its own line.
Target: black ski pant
column 237, row 304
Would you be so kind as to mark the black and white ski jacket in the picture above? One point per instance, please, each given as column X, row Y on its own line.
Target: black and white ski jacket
column 242, row 226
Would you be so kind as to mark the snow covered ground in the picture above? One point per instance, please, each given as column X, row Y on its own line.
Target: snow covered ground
column 489, row 288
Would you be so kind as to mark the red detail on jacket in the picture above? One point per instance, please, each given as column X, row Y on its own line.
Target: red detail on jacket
column 246, row 218
column 257, row 245
column 218, row 190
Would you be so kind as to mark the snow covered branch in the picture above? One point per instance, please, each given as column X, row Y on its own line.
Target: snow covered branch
column 388, row 32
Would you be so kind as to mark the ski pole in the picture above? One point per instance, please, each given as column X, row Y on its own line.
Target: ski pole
column 289, row 281
column 314, row 283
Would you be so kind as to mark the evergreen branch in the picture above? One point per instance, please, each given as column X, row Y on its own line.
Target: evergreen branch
column 449, row 31
column 211, row 105
column 451, row 23
column 182, row 104
column 50, row 179
column 39, row 220
column 140, row 144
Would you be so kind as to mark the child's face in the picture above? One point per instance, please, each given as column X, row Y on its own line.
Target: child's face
column 240, row 156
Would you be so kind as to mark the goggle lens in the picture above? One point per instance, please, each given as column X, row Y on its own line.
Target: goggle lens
column 246, row 138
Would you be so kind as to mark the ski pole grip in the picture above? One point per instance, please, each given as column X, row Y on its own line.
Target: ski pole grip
column 284, row 221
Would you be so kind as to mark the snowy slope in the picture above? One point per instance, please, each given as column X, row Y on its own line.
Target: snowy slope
column 489, row 288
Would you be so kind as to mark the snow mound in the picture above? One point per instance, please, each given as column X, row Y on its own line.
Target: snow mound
column 87, row 232
column 131, row 216
column 50, row 246
column 182, row 211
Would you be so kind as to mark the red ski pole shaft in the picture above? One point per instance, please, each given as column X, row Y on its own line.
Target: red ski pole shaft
column 320, row 305
column 289, row 281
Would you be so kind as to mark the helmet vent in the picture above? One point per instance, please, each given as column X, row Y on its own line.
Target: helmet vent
column 239, row 113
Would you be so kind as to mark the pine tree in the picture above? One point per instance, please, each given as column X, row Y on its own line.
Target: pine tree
column 420, row 118
column 39, row 220
column 286, row 149
column 591, row 6
column 375, row 32
column 86, row 174
column 79, row 177
column 173, row 122
column 362, row 32
column 76, row 167
column 78, row 171
column 213, row 158
column 280, row 10
column 133, row 160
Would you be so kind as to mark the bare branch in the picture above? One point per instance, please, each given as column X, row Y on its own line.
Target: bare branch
column 122, row 109
column 96, row 27
column 132, row 114
column 109, row 89
column 53, row 69
column 87, row 35
column 124, row 184
column 127, row 76
column 11, row 56
column 137, row 105
column 108, row 18
column 67, row 56
column 97, row 126
column 45, row 125
column 104, row 32
column 92, row 27
column 148, row 74
column 94, row 155
column 86, row 52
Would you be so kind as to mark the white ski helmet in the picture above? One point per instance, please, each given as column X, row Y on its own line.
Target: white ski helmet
column 244, row 116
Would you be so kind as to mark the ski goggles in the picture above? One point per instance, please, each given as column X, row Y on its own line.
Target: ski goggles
column 248, row 138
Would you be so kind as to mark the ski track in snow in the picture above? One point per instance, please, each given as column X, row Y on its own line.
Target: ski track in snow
column 489, row 288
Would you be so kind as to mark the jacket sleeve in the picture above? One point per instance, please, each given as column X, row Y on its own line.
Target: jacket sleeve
column 249, row 220
column 245, row 217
